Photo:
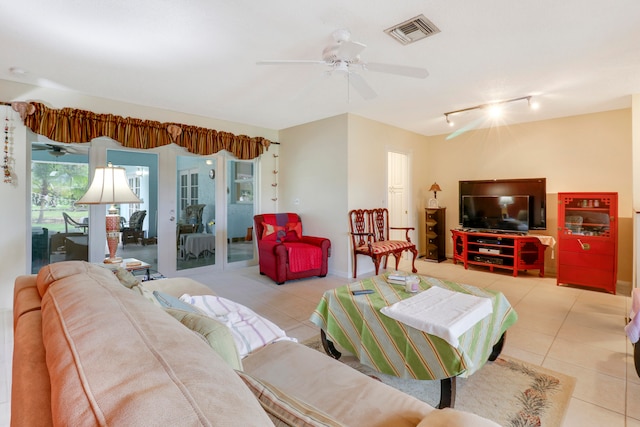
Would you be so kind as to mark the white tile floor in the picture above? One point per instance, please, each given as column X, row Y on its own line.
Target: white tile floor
column 575, row 331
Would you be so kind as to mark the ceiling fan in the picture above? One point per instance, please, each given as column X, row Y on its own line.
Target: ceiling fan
column 60, row 149
column 343, row 57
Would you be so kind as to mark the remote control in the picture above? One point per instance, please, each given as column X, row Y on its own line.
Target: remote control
column 362, row 291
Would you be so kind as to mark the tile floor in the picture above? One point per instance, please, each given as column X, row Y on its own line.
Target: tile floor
column 575, row 331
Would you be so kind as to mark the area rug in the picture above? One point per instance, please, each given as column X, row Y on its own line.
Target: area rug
column 508, row 391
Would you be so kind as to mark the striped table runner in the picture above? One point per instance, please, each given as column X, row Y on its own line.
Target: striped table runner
column 355, row 323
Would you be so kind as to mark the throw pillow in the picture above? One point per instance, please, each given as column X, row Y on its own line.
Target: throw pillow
column 285, row 410
column 217, row 335
column 272, row 232
column 169, row 301
column 147, row 293
column 448, row 417
column 125, row 277
column 291, row 236
column 296, row 227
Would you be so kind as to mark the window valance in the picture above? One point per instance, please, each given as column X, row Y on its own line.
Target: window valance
column 71, row 125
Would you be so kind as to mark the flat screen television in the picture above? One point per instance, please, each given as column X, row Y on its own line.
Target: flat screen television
column 496, row 213
column 535, row 188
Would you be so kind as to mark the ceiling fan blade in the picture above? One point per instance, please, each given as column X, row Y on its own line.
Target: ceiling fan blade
column 361, row 86
column 401, row 70
column 291, row 62
column 349, row 50
column 77, row 148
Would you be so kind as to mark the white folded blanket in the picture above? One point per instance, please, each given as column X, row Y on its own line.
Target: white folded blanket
column 250, row 331
column 441, row 312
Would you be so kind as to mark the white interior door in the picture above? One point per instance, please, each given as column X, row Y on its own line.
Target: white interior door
column 398, row 192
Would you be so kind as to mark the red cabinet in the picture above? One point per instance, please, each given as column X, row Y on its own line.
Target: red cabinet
column 588, row 240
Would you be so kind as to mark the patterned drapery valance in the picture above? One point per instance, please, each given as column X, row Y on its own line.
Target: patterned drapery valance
column 72, row 125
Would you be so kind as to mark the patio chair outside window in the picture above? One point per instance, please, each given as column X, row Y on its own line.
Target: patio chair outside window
column 70, row 222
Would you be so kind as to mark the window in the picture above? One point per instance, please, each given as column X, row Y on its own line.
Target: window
column 243, row 182
column 188, row 188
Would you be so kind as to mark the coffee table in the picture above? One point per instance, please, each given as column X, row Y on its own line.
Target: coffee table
column 354, row 322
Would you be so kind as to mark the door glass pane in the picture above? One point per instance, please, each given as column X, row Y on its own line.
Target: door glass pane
column 59, row 228
column 195, row 231
column 138, row 221
column 240, row 209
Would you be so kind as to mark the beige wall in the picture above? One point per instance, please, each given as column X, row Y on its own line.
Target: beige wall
column 369, row 143
column 313, row 177
column 582, row 153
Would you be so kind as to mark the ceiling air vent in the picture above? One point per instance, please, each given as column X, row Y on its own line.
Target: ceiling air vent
column 413, row 30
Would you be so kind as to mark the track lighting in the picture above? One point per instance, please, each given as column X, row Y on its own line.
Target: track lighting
column 449, row 122
column 494, row 108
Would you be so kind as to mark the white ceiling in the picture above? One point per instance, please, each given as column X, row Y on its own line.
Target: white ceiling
column 199, row 56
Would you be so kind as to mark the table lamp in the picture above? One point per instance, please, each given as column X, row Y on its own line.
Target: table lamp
column 433, row 203
column 110, row 187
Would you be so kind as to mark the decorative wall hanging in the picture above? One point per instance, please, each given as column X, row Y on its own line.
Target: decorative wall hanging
column 275, row 178
column 8, row 160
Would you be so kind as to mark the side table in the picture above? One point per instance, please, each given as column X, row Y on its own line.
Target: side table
column 132, row 265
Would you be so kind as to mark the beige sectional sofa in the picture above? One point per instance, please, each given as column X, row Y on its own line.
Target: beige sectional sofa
column 89, row 351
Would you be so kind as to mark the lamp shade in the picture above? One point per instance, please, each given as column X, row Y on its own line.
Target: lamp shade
column 435, row 187
column 109, row 186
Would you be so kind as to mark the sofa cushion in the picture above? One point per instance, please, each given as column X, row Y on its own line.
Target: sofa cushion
column 349, row 396
column 284, row 409
column 448, row 417
column 217, row 335
column 118, row 360
column 51, row 273
column 26, row 297
column 30, row 388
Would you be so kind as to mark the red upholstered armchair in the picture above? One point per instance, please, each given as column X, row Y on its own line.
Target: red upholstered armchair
column 284, row 253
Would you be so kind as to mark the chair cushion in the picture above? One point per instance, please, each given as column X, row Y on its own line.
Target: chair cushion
column 386, row 246
column 303, row 257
